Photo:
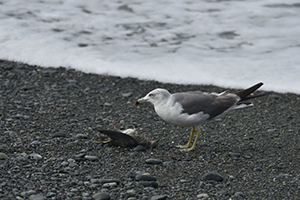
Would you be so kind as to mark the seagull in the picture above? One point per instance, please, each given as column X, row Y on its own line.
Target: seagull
column 193, row 108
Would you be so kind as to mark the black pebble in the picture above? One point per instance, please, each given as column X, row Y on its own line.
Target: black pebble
column 153, row 184
column 212, row 176
column 142, row 177
column 59, row 134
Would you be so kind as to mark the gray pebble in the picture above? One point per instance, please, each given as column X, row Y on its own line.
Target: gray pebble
column 3, row 156
column 35, row 142
column 108, row 104
column 71, row 160
column 95, row 180
column 50, row 194
column 103, row 181
column 234, row 155
column 143, row 177
column 81, row 155
column 139, row 148
column 128, row 94
column 65, row 163
column 81, row 136
column 152, row 184
column 35, row 156
column 202, row 196
column 30, row 192
column 282, row 175
column 131, row 192
column 59, row 134
column 11, row 133
column 91, row 158
column 131, row 175
column 153, row 161
column 222, row 193
column 101, row 196
column 159, row 197
column 110, row 185
column 36, row 197
column 257, row 169
column 239, row 194
column 212, row 176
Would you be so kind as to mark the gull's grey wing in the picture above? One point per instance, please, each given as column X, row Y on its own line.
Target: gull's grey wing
column 209, row 103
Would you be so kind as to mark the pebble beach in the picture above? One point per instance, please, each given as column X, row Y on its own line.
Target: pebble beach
column 50, row 149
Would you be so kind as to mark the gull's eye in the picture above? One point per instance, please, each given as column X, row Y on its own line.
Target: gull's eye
column 151, row 95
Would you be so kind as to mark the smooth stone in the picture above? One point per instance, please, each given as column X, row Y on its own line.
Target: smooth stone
column 202, row 196
column 108, row 104
column 128, row 94
column 81, row 136
column 131, row 192
column 257, row 169
column 72, row 81
column 35, row 142
column 71, row 160
column 143, row 177
column 183, row 181
column 235, row 155
column 139, row 148
column 169, row 163
column 36, row 197
column 65, row 163
column 50, row 194
column 91, row 158
column 35, row 156
column 152, row 184
column 159, row 197
column 282, row 175
column 239, row 194
column 74, row 190
column 101, row 196
column 109, row 185
column 30, row 192
column 153, row 161
column 103, row 181
column 223, row 193
column 212, row 176
column 95, row 180
column 3, row 156
column 81, row 155
column 59, row 134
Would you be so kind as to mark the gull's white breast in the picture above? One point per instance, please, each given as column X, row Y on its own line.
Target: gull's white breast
column 172, row 113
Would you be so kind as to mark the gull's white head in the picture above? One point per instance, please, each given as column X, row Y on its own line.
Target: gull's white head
column 155, row 96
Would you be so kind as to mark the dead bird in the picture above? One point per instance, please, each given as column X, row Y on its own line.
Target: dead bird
column 126, row 138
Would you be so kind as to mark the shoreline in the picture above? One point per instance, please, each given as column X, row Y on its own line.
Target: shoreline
column 49, row 118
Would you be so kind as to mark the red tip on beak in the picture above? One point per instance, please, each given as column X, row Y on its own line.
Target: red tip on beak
column 136, row 103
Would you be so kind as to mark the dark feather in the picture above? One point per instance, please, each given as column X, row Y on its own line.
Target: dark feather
column 244, row 94
column 120, row 139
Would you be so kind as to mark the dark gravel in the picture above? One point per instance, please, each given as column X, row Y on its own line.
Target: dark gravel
column 48, row 131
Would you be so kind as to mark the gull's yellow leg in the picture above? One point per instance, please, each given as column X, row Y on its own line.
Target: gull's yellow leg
column 194, row 145
column 190, row 140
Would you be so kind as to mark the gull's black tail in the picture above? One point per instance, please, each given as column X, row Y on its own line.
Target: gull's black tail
column 246, row 94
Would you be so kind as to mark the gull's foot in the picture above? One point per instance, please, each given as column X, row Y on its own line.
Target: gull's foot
column 183, row 146
column 186, row 149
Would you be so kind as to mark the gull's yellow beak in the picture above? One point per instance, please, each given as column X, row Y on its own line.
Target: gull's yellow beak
column 141, row 100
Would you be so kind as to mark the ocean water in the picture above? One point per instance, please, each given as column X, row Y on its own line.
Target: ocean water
column 231, row 43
